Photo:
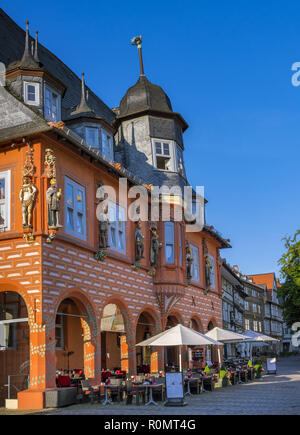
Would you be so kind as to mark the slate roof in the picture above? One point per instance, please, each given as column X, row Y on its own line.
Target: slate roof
column 142, row 96
column 12, row 43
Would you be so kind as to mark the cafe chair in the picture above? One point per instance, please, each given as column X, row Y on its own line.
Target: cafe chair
column 88, row 392
column 132, row 391
column 116, row 389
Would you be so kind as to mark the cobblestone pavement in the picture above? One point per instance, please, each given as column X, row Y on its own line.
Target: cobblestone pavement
column 274, row 394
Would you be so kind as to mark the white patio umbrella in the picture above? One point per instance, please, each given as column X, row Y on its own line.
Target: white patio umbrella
column 257, row 337
column 224, row 336
column 180, row 336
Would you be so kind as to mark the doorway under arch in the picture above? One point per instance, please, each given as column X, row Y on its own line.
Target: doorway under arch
column 69, row 334
column 114, row 349
column 146, row 357
column 14, row 345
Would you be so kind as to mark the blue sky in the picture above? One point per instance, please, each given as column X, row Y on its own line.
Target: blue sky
column 227, row 68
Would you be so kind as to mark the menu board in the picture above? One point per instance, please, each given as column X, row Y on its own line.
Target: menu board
column 271, row 365
column 174, row 385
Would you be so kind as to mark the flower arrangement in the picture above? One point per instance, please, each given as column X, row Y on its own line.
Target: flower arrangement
column 224, row 375
column 258, row 369
column 101, row 255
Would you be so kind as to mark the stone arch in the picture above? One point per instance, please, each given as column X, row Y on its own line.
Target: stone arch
column 148, row 324
column 212, row 351
column 126, row 342
column 212, row 323
column 16, row 357
column 198, row 323
column 88, row 324
column 196, row 354
column 153, row 313
column 176, row 316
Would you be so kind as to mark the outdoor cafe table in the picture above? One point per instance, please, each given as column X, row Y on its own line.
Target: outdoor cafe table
column 107, row 401
column 151, row 387
column 196, row 381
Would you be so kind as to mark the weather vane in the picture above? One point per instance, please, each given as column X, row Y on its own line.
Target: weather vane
column 137, row 41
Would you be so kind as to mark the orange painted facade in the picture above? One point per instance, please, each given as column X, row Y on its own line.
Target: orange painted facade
column 47, row 274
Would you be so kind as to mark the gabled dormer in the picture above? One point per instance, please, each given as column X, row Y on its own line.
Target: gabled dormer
column 29, row 81
column 96, row 132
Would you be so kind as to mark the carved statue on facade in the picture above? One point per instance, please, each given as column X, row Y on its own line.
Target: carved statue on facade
column 208, row 268
column 189, row 263
column 139, row 242
column 27, row 197
column 154, row 247
column 53, row 196
column 50, row 163
column 103, row 228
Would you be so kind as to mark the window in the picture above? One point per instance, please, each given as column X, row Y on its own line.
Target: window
column 169, row 242
column 180, row 245
column 75, row 213
column 246, row 305
column 92, row 136
column 259, row 309
column 254, row 295
column 4, row 201
column 226, row 310
column 163, row 155
column 179, row 158
column 212, row 272
column 247, row 324
column 254, row 308
column 52, row 105
column 10, row 312
column 32, row 93
column 195, row 264
column 117, row 236
column 255, row 326
column 107, row 146
column 59, row 332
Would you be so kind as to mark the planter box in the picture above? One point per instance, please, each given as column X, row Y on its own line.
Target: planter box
column 60, row 397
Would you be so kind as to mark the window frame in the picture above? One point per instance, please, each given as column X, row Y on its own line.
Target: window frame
column 179, row 150
column 97, row 145
column 73, row 232
column 172, row 156
column 113, row 225
column 108, row 139
column 6, row 175
column 170, row 243
column 60, row 327
column 48, row 88
column 37, row 100
column 195, row 264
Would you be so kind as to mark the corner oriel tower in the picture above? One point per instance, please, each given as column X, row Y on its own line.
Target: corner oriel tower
column 149, row 138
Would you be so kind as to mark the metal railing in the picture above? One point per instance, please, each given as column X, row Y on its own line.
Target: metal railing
column 9, row 384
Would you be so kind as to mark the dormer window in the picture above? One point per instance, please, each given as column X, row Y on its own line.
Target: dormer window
column 92, row 136
column 168, row 156
column 107, row 146
column 32, row 93
column 52, row 105
column 164, row 155
column 179, row 158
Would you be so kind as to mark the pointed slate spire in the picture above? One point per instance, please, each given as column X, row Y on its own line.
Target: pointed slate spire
column 36, row 48
column 27, row 60
column 83, row 107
